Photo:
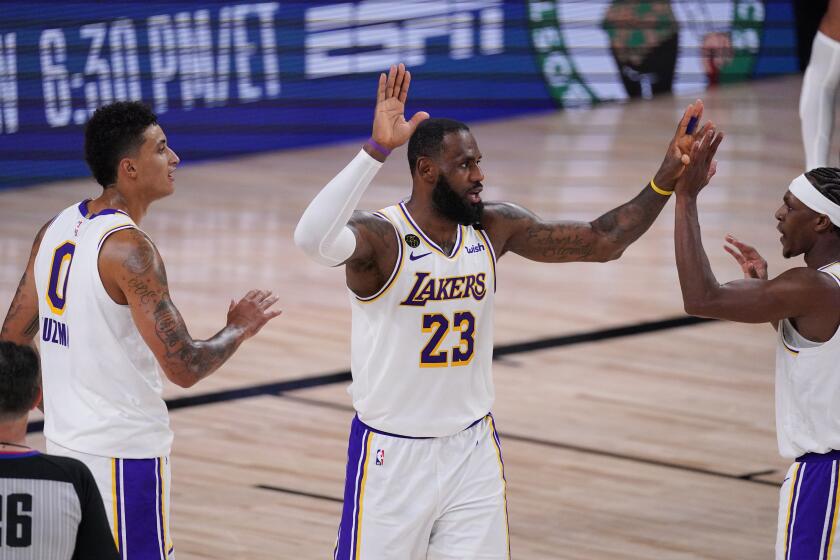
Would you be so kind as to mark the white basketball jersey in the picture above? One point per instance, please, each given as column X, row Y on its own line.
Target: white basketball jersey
column 102, row 389
column 807, row 389
column 422, row 347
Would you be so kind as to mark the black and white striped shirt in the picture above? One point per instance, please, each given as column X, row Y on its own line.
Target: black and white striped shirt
column 50, row 509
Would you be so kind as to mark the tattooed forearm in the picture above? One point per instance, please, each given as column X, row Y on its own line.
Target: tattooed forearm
column 524, row 233
column 21, row 322
column 32, row 329
column 624, row 225
column 187, row 359
column 560, row 243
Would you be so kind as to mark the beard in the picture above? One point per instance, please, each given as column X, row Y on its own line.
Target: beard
column 453, row 206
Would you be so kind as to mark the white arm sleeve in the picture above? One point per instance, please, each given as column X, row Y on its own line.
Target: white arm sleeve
column 816, row 102
column 322, row 231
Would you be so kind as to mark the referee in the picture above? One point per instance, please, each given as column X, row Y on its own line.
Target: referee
column 50, row 508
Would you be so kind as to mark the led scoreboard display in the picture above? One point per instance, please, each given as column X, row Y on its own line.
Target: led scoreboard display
column 234, row 78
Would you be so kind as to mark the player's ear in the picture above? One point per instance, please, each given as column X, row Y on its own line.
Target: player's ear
column 823, row 223
column 37, row 400
column 127, row 166
column 427, row 169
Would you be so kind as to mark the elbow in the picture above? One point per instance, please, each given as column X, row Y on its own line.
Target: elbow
column 182, row 379
column 690, row 307
column 186, row 383
column 704, row 302
column 305, row 242
column 611, row 253
column 696, row 307
column 312, row 247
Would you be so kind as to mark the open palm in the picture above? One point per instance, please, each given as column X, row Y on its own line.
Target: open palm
column 390, row 129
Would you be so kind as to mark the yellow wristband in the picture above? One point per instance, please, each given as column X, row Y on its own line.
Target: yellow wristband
column 657, row 190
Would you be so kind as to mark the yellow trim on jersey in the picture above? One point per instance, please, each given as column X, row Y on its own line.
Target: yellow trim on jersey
column 397, row 267
column 491, row 254
column 114, row 502
column 362, row 495
column 793, row 480
column 432, row 245
column 791, row 350
column 493, row 435
column 836, row 507
column 167, row 543
column 66, row 257
column 113, row 230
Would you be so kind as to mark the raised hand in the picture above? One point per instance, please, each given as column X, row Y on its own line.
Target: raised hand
column 677, row 156
column 390, row 128
column 752, row 263
column 252, row 312
column 702, row 164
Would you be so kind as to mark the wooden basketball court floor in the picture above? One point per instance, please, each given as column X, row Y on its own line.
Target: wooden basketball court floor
column 627, row 431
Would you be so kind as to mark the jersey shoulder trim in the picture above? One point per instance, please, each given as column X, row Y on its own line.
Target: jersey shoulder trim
column 832, row 270
column 491, row 253
column 109, row 232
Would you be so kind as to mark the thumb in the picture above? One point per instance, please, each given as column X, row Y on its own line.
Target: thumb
column 418, row 117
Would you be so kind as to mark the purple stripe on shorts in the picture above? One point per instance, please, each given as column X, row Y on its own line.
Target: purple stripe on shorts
column 832, row 501
column 140, row 493
column 345, row 548
column 811, row 503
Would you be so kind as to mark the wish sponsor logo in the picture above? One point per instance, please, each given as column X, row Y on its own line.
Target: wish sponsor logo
column 477, row 248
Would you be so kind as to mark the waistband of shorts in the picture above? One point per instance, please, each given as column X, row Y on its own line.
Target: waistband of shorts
column 374, row 430
column 811, row 457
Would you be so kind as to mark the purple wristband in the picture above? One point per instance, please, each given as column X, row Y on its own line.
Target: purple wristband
column 375, row 145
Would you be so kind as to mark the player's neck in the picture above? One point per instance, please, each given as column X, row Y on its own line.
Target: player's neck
column 113, row 197
column 13, row 433
column 440, row 229
column 825, row 251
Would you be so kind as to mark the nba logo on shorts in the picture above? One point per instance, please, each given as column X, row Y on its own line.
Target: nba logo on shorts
column 380, row 457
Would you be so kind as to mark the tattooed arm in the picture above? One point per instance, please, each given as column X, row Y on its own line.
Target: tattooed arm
column 513, row 228
column 133, row 274
column 375, row 255
column 21, row 323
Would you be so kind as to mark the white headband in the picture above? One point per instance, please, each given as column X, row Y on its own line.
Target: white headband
column 802, row 189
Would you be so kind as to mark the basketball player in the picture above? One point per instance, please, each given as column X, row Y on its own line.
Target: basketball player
column 50, row 506
column 96, row 286
column 425, row 477
column 819, row 88
column 803, row 305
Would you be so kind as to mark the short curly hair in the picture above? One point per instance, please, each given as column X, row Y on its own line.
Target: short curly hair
column 827, row 181
column 114, row 131
column 20, row 380
column 427, row 139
